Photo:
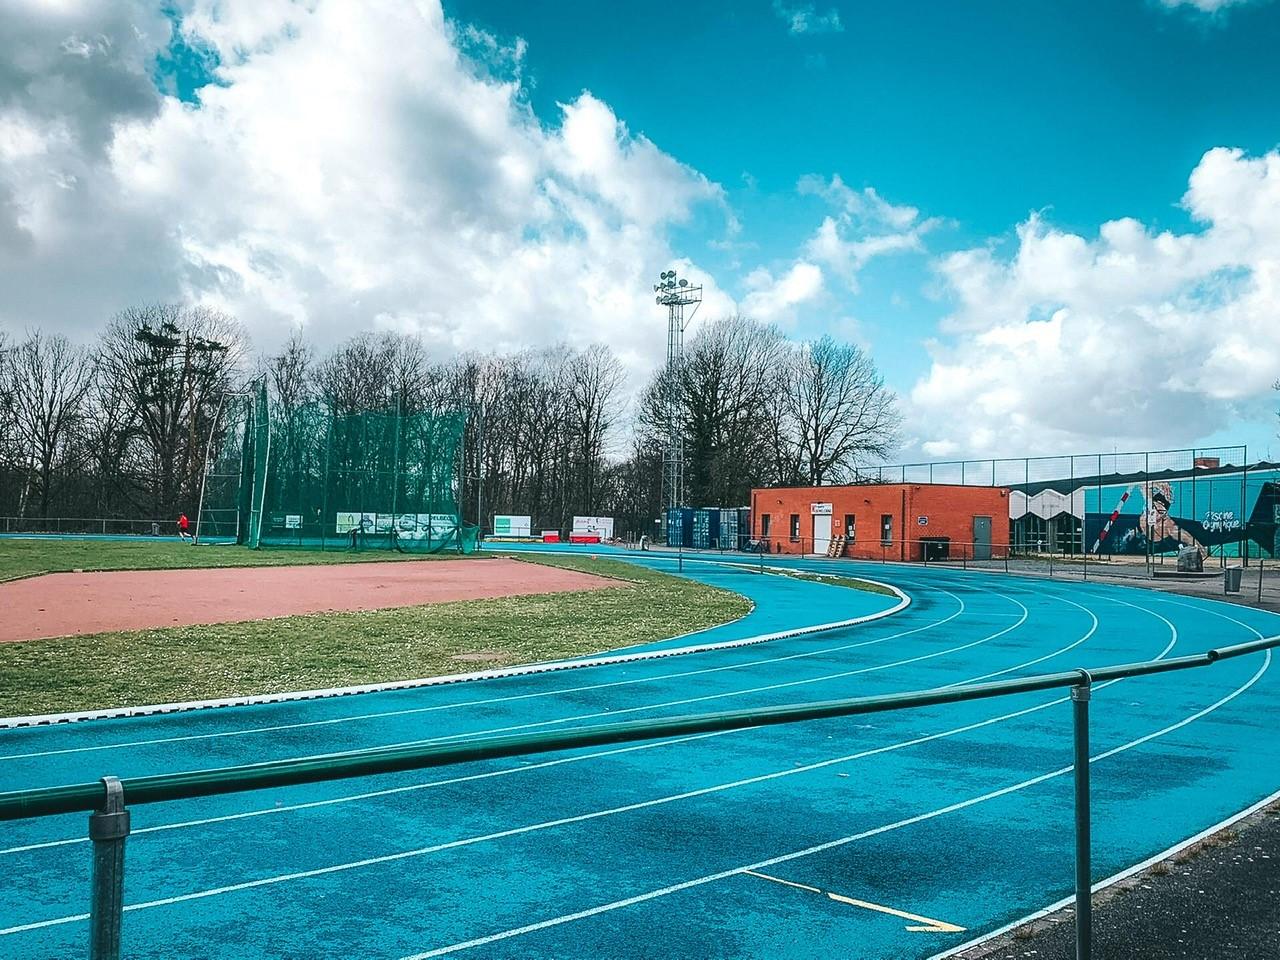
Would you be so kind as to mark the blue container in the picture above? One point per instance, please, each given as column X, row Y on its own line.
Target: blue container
column 706, row 528
column 679, row 527
column 730, row 532
column 744, row 528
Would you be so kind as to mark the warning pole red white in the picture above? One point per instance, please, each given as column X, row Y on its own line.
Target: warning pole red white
column 1097, row 544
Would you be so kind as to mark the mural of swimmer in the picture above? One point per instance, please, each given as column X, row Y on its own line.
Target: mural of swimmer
column 1157, row 526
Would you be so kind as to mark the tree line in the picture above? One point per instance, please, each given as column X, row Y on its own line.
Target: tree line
column 122, row 427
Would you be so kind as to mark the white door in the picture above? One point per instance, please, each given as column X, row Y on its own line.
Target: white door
column 821, row 532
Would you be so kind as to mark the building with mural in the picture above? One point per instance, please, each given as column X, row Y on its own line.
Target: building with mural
column 1225, row 510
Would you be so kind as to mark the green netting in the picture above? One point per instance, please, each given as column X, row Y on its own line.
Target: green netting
column 366, row 480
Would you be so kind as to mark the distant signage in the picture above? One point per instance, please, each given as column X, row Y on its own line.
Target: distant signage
column 922, row 521
column 293, row 521
column 820, row 509
column 512, row 526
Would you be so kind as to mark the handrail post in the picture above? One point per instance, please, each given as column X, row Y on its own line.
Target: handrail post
column 1084, row 884
column 108, row 828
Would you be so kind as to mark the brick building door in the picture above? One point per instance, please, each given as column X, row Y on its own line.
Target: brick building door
column 821, row 532
column 982, row 538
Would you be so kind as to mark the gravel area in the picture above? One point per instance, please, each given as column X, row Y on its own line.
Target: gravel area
column 1218, row 899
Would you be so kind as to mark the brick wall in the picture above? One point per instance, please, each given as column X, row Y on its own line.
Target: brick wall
column 949, row 511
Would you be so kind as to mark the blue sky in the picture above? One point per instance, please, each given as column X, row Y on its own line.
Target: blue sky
column 1056, row 225
column 976, row 112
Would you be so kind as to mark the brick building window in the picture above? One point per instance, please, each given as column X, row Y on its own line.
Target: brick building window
column 886, row 529
column 795, row 526
column 764, row 526
column 850, row 527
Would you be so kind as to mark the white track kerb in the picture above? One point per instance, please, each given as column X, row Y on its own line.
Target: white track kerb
column 578, row 663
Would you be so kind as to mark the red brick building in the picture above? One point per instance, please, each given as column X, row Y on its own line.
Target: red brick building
column 895, row 521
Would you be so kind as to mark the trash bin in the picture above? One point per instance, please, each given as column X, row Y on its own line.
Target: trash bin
column 1231, row 579
column 934, row 548
column 155, row 529
column 1190, row 560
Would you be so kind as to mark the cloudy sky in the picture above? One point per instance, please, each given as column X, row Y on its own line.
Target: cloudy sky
column 1056, row 227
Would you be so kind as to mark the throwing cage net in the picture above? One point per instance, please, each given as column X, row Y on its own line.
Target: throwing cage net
column 368, row 480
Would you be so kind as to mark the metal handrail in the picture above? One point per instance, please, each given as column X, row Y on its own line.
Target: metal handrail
column 107, row 798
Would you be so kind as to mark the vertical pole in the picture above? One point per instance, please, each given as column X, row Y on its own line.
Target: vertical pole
column 680, row 552
column 1146, row 506
column 1259, row 576
column 108, row 828
column 1244, row 506
column 479, row 471
column 1084, row 902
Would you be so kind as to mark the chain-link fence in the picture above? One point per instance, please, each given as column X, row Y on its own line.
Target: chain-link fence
column 1125, row 507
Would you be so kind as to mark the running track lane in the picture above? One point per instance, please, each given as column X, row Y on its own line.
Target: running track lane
column 959, row 814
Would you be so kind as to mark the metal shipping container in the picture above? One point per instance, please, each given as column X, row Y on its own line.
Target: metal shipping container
column 729, row 532
column 679, row 527
column 706, row 528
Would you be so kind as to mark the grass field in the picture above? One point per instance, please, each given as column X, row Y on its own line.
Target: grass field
column 331, row 649
column 26, row 558
column 854, row 583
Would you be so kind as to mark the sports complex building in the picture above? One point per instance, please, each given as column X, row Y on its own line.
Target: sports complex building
column 1144, row 504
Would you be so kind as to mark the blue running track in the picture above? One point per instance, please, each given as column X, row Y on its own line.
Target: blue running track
column 892, row 835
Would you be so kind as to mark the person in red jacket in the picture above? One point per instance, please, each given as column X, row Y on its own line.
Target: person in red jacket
column 184, row 527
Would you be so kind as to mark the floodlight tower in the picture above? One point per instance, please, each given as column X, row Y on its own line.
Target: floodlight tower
column 675, row 294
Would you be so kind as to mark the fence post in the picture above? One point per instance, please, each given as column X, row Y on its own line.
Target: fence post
column 1084, row 885
column 108, row 828
column 680, row 554
column 1259, row 576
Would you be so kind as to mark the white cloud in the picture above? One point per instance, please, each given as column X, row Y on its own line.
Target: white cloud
column 1131, row 337
column 771, row 298
column 864, row 226
column 352, row 168
column 1204, row 6
column 803, row 18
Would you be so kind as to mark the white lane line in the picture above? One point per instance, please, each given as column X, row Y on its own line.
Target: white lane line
column 369, row 795
column 373, row 794
column 832, row 844
column 528, row 828
column 276, row 728
column 1138, row 867
column 547, row 666
column 507, row 771
column 590, row 816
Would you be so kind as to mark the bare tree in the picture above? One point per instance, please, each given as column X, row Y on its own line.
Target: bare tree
column 49, row 379
column 177, row 361
column 595, row 383
column 841, row 408
column 721, row 397
column 289, row 374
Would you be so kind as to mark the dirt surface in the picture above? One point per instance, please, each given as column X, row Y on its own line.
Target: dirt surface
column 66, row 604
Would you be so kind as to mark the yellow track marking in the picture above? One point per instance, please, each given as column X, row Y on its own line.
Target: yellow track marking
column 925, row 924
